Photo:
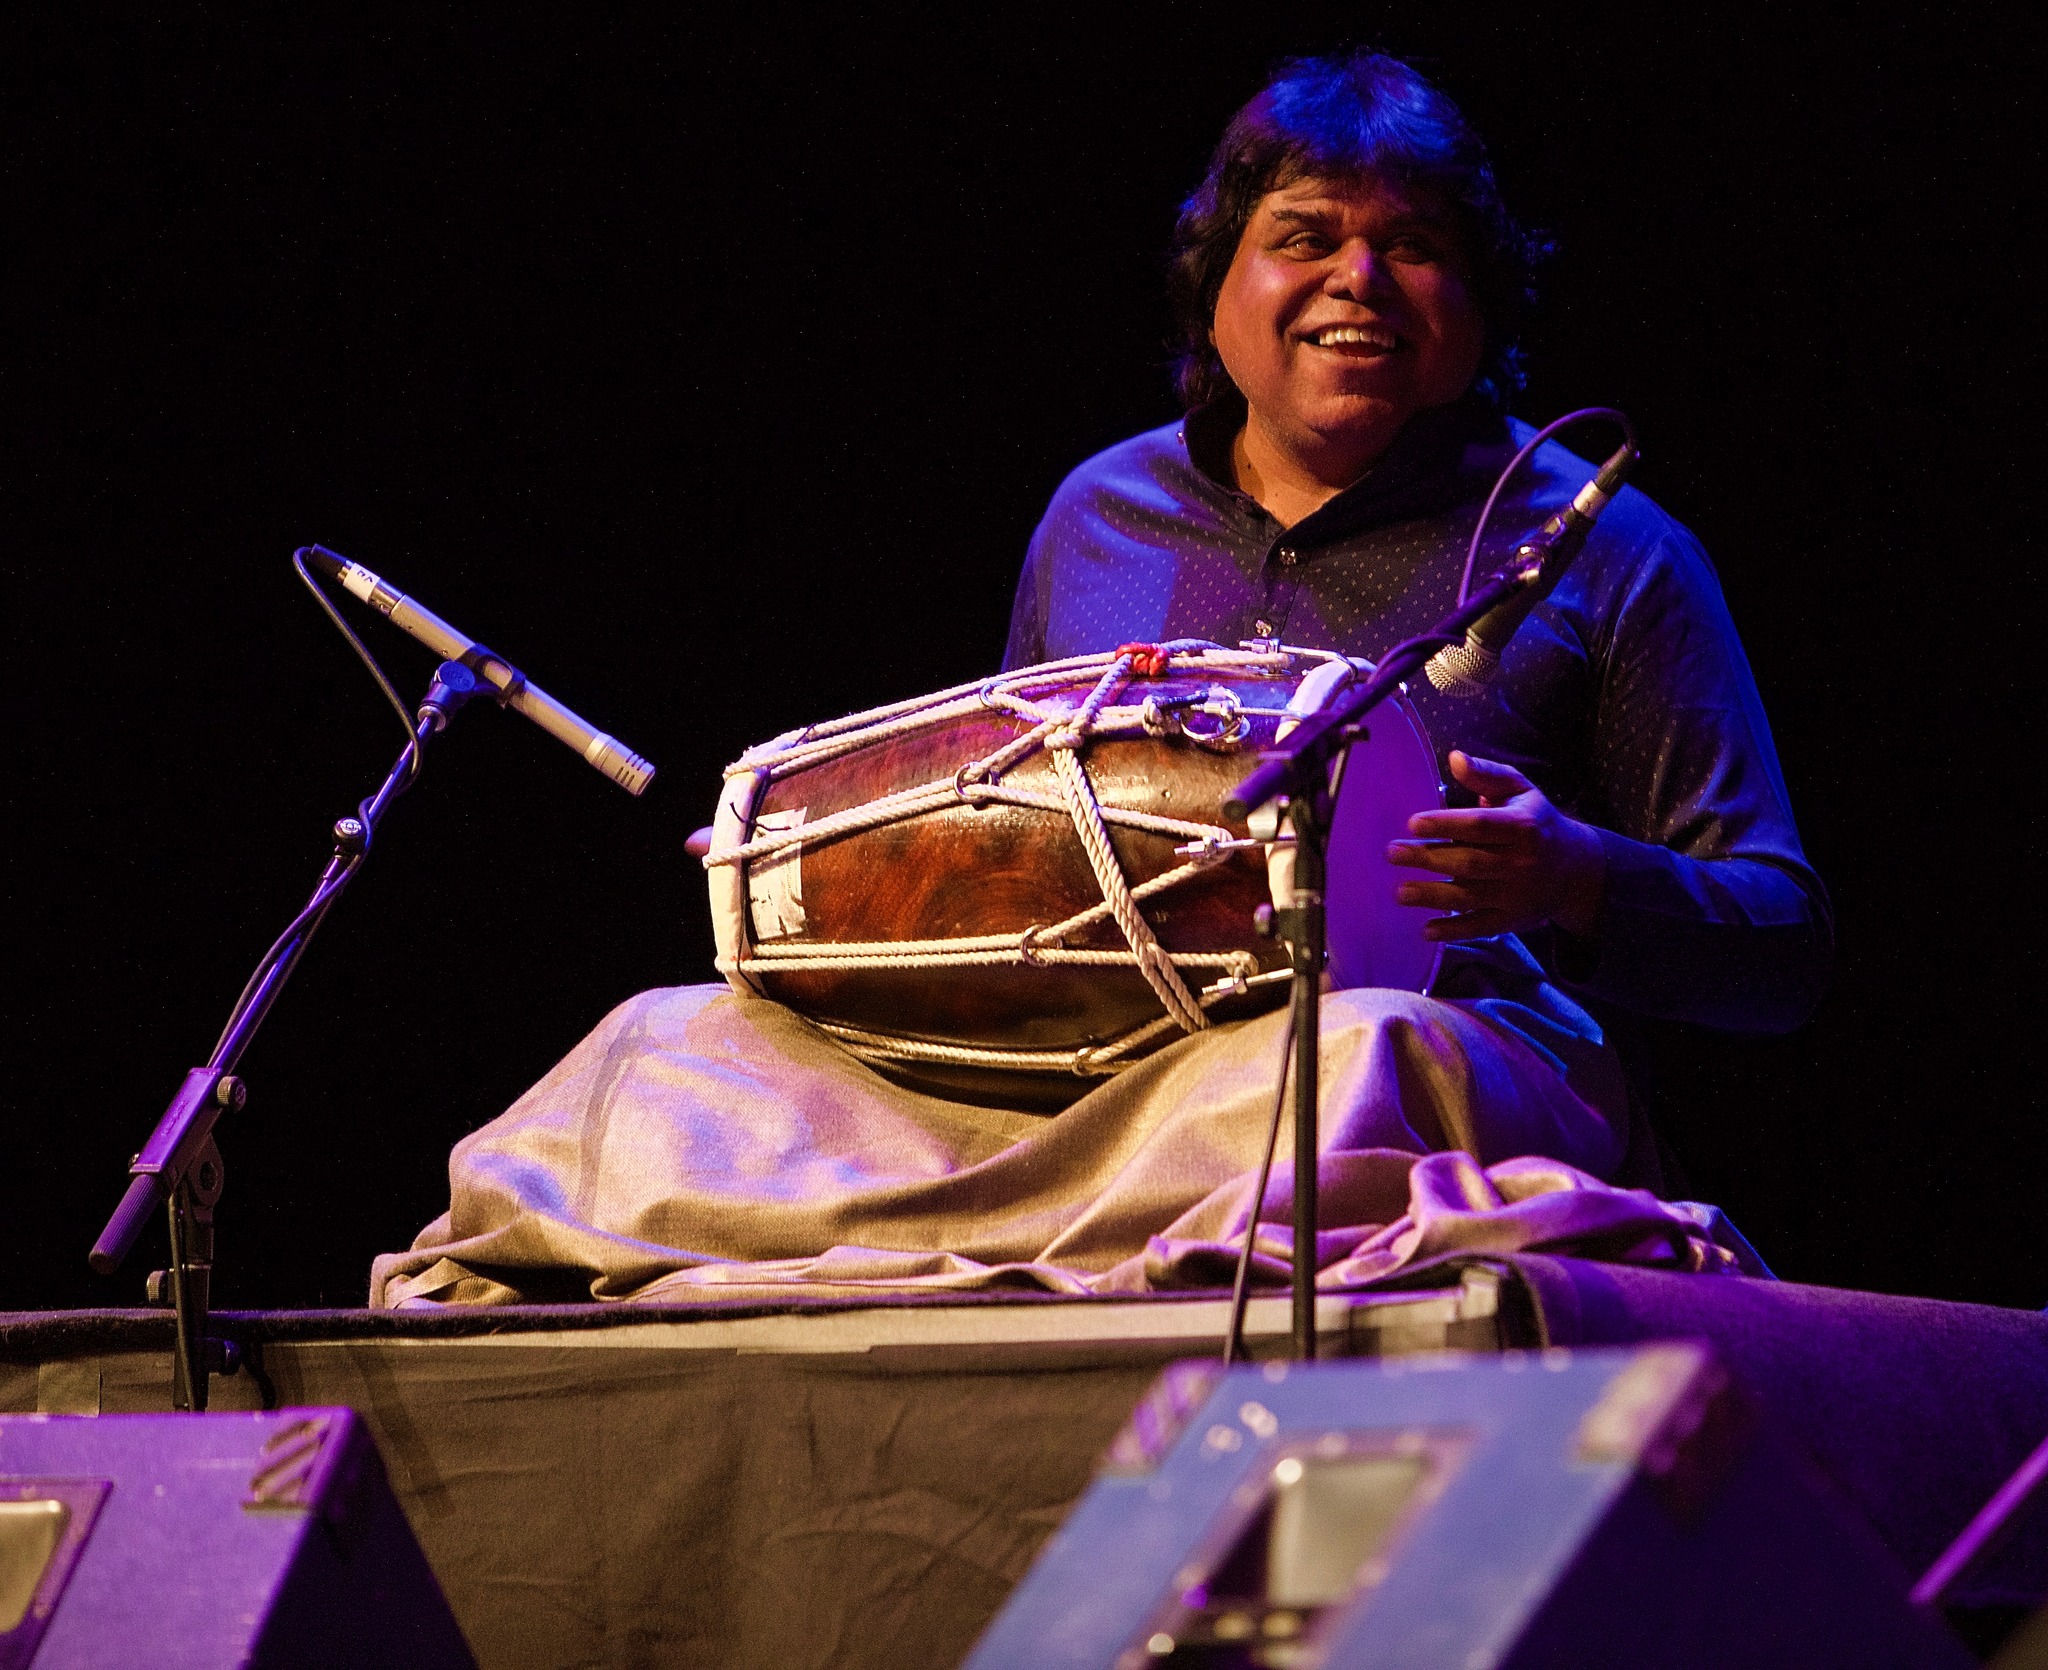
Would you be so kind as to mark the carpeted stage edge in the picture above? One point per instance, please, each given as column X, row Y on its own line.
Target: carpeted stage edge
column 852, row 1484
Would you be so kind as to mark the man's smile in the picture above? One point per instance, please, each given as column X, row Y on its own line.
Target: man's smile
column 1354, row 341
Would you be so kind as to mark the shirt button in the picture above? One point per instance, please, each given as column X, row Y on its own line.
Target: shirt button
column 1262, row 629
column 1286, row 555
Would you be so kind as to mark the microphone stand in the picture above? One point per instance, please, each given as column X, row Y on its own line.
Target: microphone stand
column 180, row 1166
column 1306, row 770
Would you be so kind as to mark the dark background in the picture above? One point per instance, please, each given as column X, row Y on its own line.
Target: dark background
column 718, row 374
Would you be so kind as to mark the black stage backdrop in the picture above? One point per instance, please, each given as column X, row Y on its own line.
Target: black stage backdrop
column 717, row 372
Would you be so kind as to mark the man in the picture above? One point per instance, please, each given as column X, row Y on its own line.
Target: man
column 1349, row 284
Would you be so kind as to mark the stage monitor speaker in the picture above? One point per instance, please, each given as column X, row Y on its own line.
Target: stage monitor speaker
column 199, row 1542
column 1578, row 1509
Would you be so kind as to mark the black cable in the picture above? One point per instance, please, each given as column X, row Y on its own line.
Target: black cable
column 391, row 695
column 316, row 908
column 188, row 1357
column 303, row 926
column 1612, row 414
column 1240, row 1292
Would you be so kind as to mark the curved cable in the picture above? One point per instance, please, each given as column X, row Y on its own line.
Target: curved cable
column 363, row 654
column 301, row 925
column 289, row 944
column 1628, row 429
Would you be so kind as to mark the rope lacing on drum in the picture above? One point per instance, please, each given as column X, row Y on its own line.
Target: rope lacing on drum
column 1064, row 735
column 1065, row 744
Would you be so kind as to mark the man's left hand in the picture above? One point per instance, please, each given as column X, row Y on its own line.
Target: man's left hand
column 1514, row 861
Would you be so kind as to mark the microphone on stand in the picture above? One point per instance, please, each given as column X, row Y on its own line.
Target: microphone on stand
column 607, row 753
column 1467, row 669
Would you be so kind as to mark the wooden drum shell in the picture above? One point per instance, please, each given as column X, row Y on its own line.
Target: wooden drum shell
column 967, row 871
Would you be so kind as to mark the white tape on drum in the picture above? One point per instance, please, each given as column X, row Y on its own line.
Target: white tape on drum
column 775, row 883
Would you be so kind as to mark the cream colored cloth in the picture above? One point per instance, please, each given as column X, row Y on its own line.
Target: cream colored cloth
column 700, row 1144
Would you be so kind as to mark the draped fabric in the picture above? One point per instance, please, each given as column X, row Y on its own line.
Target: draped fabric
column 700, row 1143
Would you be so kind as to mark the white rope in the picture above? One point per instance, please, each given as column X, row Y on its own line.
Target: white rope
column 1144, row 890
column 935, row 796
column 837, row 736
column 1064, row 735
column 967, row 953
column 1098, row 1060
column 881, row 1046
column 1034, row 945
column 1065, row 745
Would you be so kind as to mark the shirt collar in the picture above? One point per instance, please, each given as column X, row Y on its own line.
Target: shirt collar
column 1424, row 471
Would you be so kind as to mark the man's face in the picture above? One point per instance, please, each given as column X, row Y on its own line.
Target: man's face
column 1347, row 309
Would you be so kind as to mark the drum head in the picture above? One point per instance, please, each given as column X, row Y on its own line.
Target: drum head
column 1391, row 775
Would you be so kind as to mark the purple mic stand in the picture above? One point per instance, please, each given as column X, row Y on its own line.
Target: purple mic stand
column 180, row 1166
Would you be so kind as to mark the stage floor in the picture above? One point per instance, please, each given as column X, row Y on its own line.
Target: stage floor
column 825, row 1484
column 849, row 1484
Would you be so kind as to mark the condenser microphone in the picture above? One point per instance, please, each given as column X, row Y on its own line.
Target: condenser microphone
column 1467, row 669
column 607, row 753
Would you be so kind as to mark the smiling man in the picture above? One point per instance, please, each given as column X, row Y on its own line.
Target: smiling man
column 1349, row 286
column 1346, row 309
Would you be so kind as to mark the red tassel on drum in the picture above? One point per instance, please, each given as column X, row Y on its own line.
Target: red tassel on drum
column 1147, row 660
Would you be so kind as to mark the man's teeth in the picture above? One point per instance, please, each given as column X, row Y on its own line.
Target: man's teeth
column 1338, row 334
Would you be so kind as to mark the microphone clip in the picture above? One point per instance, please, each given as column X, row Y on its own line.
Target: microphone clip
column 454, row 686
column 479, row 660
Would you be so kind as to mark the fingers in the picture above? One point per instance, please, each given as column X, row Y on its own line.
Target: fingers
column 1490, row 855
column 1477, row 907
column 1473, row 916
column 1416, row 855
column 1437, row 895
column 1488, row 779
column 1472, row 861
column 1479, row 826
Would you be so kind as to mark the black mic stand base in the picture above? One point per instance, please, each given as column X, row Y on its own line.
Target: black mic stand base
column 187, row 1286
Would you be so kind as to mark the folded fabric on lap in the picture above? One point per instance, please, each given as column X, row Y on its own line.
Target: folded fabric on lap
column 700, row 1142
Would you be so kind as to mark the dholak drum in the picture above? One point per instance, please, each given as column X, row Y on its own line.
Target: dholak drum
column 1009, row 889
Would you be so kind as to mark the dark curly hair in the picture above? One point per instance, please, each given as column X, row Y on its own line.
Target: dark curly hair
column 1360, row 115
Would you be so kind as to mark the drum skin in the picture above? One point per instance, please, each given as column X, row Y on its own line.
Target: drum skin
column 996, row 869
